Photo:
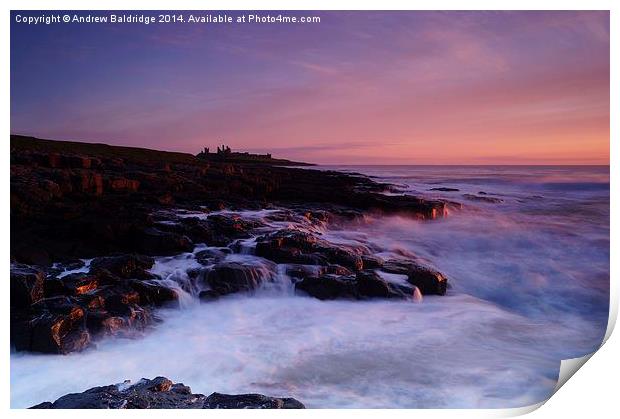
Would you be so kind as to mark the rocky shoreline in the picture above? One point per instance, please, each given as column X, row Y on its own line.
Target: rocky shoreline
column 161, row 393
column 91, row 224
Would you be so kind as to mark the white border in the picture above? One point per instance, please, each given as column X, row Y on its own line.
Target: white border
column 592, row 393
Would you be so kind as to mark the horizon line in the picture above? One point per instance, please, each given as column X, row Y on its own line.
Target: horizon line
column 98, row 142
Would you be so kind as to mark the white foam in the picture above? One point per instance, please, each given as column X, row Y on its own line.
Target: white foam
column 83, row 269
column 530, row 284
column 452, row 351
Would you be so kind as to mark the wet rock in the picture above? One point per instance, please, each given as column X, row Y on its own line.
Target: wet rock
column 399, row 204
column 195, row 229
column 317, row 216
column 90, row 301
column 250, row 401
column 128, row 322
column 334, row 270
column 26, row 285
column 285, row 246
column 300, row 247
column 341, row 256
column 371, row 261
column 119, row 299
column 165, row 199
column 371, row 285
column 296, row 271
column 228, row 227
column 124, row 266
column 159, row 393
column 101, row 322
column 72, row 284
column 57, row 335
column 230, row 277
column 329, row 287
column 484, row 198
column 442, row 189
column 52, row 219
column 154, row 241
column 428, row 280
column 211, row 256
column 162, row 393
column 123, row 185
column 152, row 293
column 80, row 307
column 57, row 327
column 71, row 161
column 87, row 182
column 84, row 307
column 362, row 285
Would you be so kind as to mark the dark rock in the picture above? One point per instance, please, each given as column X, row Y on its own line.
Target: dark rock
column 82, row 306
column 329, row 287
column 362, row 285
column 26, row 285
column 478, row 198
column 153, row 293
column 371, row 261
column 296, row 271
column 124, row 266
column 334, row 270
column 87, row 182
column 63, row 324
column 228, row 227
column 57, row 327
column 77, row 162
column 123, row 185
column 194, row 228
column 154, row 241
column 72, row 284
column 208, row 295
column 119, row 299
column 317, row 216
column 75, row 200
column 442, row 189
column 90, row 301
column 250, row 401
column 161, row 393
column 102, row 322
column 230, row 277
column 341, row 255
column 287, row 246
column 371, row 285
column 428, row 280
column 211, row 256
column 300, row 247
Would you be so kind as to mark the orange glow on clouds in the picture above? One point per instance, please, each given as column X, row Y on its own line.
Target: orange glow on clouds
column 361, row 88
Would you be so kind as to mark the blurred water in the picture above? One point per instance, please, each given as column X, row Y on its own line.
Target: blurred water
column 530, row 286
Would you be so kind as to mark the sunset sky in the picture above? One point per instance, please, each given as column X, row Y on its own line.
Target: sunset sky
column 357, row 88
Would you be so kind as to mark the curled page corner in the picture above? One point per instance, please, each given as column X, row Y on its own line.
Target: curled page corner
column 568, row 368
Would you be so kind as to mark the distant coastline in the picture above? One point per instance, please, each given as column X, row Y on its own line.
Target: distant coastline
column 224, row 153
column 53, row 145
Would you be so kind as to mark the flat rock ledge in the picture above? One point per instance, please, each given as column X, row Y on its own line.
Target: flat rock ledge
column 162, row 393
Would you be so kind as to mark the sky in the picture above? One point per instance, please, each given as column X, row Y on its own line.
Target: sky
column 356, row 88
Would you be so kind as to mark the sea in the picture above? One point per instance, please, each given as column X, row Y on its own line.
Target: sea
column 525, row 249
